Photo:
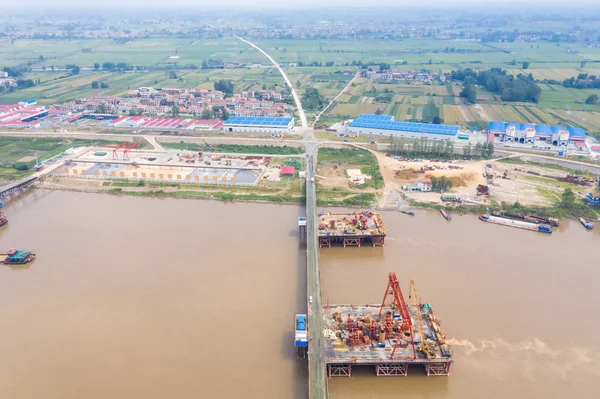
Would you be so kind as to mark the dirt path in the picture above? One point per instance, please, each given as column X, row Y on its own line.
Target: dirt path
column 466, row 117
column 482, row 113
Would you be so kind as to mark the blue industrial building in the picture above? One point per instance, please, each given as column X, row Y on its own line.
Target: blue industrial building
column 259, row 124
column 593, row 198
column 385, row 125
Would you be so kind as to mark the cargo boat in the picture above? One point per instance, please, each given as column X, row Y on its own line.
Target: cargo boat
column 586, row 224
column 528, row 218
column 445, row 214
column 17, row 257
column 411, row 213
column 521, row 224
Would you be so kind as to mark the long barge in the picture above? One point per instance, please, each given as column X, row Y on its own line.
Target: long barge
column 528, row 218
column 521, row 224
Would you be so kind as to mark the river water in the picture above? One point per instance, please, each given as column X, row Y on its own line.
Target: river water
column 146, row 298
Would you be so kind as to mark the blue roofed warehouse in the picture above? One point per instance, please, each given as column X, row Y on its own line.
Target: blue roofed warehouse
column 259, row 124
column 385, row 125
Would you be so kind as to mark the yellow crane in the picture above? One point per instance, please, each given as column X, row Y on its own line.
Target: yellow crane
column 424, row 346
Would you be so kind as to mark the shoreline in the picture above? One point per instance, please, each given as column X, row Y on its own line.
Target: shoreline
column 252, row 198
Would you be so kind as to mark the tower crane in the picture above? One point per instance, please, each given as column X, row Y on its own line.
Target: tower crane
column 424, row 347
column 393, row 298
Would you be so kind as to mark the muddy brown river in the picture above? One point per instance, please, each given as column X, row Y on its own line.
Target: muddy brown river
column 146, row 298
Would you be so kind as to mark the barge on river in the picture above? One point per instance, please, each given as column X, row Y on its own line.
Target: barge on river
column 17, row 257
column 351, row 229
column 521, row 224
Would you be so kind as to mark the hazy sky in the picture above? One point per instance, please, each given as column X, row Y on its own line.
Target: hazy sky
column 282, row 3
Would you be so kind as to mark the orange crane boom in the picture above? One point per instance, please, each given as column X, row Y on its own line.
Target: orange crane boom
column 394, row 289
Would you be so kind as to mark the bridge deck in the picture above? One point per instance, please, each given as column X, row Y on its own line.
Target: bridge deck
column 317, row 377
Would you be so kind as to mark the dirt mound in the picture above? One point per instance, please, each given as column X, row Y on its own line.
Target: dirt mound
column 407, row 174
column 459, row 180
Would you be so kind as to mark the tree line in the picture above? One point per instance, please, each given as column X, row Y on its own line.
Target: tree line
column 520, row 88
column 422, row 147
column 582, row 81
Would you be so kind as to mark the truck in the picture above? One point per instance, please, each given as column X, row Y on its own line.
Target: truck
column 301, row 336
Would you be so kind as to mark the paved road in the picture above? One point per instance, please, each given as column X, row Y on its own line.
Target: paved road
column 287, row 80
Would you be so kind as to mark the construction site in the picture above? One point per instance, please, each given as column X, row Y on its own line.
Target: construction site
column 128, row 162
column 390, row 336
column 351, row 229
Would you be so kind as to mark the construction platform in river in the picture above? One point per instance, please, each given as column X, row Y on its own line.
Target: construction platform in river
column 389, row 337
column 351, row 229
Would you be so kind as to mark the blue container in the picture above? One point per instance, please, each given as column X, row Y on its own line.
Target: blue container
column 381, row 344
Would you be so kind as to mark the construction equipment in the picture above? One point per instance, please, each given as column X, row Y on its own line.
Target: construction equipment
column 394, row 299
column 424, row 346
column 122, row 145
column 129, row 147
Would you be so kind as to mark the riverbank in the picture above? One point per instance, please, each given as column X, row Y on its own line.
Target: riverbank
column 554, row 211
column 288, row 192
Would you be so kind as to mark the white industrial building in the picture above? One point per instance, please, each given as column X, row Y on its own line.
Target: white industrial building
column 385, row 125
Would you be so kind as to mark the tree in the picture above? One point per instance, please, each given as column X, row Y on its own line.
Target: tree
column 436, row 120
column 469, row 93
column 583, row 63
column 42, row 58
column 73, row 68
column 379, row 111
column 104, row 85
column 172, row 75
column 488, row 150
column 525, row 65
column 225, row 86
column 174, row 110
column 593, row 99
column 567, row 199
column 207, row 114
column 384, row 67
column 225, row 114
column 102, row 108
column 94, row 85
column 109, row 66
column 96, row 66
column 313, row 99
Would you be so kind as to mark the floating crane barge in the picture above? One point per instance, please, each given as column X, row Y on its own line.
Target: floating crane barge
column 351, row 229
column 389, row 337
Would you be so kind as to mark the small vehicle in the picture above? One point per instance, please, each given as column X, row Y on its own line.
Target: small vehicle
column 310, row 299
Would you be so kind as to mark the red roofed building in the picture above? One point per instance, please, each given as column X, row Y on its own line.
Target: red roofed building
column 288, row 171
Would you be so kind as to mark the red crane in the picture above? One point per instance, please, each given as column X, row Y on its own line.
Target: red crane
column 134, row 145
column 394, row 299
column 122, row 145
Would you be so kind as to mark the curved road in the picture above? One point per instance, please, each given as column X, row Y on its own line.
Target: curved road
column 287, row 80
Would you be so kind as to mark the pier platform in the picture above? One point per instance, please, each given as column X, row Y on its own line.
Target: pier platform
column 351, row 229
column 362, row 336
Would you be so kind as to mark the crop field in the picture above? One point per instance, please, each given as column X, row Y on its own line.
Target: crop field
column 406, row 101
